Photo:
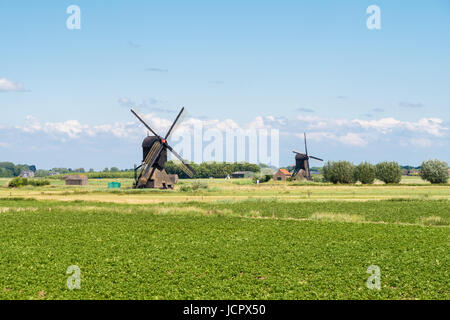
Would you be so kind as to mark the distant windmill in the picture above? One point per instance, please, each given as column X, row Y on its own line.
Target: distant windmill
column 302, row 162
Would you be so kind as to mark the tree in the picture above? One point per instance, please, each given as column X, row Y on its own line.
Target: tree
column 114, row 169
column 434, row 171
column 365, row 173
column 389, row 172
column 339, row 172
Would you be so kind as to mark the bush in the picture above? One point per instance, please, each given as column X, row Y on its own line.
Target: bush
column 434, row 171
column 317, row 178
column 365, row 173
column 39, row 182
column 389, row 172
column 339, row 172
column 185, row 188
column 199, row 185
column 20, row 182
column 261, row 177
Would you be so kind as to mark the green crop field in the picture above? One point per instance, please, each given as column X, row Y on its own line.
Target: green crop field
column 229, row 241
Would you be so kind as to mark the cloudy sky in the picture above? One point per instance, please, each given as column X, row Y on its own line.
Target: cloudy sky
column 294, row 66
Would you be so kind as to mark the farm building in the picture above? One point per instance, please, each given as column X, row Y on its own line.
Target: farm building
column 27, row 174
column 301, row 175
column 281, row 175
column 161, row 180
column 173, row 178
column 76, row 180
column 241, row 174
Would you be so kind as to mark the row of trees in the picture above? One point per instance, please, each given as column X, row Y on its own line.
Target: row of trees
column 433, row 171
column 212, row 169
column 9, row 169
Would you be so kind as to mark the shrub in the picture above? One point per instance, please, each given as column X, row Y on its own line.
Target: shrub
column 20, row 182
column 339, row 172
column 434, row 171
column 389, row 172
column 185, row 188
column 199, row 185
column 261, row 177
column 317, row 178
column 365, row 173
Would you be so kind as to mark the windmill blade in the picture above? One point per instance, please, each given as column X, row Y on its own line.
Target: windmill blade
column 151, row 157
column 298, row 152
column 173, row 124
column 143, row 122
column 306, row 147
column 182, row 164
column 316, row 158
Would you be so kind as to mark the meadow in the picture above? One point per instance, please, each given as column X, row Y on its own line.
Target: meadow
column 233, row 240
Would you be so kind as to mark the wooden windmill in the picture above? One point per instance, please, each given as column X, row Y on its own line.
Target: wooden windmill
column 151, row 171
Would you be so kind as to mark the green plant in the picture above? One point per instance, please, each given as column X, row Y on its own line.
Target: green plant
column 434, row 171
column 21, row 182
column 389, row 172
column 196, row 185
column 261, row 177
column 339, row 172
column 365, row 173
column 18, row 182
column 185, row 188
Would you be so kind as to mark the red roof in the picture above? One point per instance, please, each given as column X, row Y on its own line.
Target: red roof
column 284, row 171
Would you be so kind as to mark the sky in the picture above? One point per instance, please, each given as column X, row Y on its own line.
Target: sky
column 294, row 66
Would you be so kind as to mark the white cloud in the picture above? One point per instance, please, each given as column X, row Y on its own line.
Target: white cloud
column 9, row 86
column 351, row 139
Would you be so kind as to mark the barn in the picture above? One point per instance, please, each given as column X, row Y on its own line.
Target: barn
column 281, row 175
column 76, row 180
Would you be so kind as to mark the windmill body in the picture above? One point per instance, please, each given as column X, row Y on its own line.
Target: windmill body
column 151, row 173
column 302, row 164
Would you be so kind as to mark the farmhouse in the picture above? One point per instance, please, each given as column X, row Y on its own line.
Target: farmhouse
column 27, row 174
column 76, row 180
column 281, row 175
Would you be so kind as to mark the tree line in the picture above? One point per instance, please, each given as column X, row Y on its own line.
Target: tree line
column 212, row 169
column 433, row 171
column 9, row 169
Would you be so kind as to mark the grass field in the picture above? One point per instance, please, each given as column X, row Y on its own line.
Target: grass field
column 230, row 241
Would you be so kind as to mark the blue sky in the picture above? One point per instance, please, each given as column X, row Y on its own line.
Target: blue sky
column 291, row 65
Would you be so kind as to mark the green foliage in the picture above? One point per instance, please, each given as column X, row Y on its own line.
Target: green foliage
column 316, row 178
column 434, row 171
column 389, row 172
column 9, row 169
column 21, row 182
column 211, row 169
column 196, row 185
column 365, row 173
column 261, row 177
column 190, row 251
column 185, row 188
column 339, row 172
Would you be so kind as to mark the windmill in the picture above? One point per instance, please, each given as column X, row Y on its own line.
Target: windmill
column 302, row 163
column 152, row 173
